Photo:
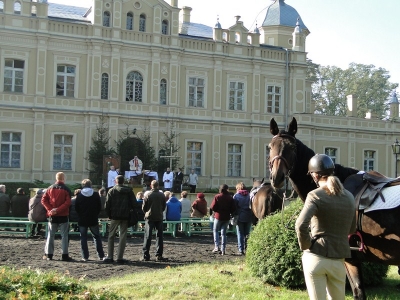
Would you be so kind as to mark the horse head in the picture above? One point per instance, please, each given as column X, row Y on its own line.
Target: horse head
column 282, row 155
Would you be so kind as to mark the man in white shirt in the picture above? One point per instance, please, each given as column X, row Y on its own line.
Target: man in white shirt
column 168, row 179
column 193, row 179
column 112, row 174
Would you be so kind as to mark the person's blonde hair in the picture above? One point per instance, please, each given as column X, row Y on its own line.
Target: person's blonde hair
column 333, row 186
column 240, row 186
column 167, row 194
column 139, row 195
column 60, row 176
column 184, row 194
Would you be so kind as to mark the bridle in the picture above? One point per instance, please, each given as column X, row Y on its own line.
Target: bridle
column 280, row 157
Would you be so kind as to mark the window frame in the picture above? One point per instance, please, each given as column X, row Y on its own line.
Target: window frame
column 367, row 160
column 164, row 86
column 231, row 173
column 134, row 88
column 198, row 170
column 13, row 70
column 195, row 93
column 235, row 96
column 129, row 24
column 11, row 143
column 65, row 79
column 53, row 152
column 336, row 153
column 104, row 87
column 165, row 27
column 274, row 110
column 106, row 19
column 142, row 22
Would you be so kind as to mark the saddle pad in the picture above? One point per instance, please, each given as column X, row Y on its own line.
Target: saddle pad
column 392, row 199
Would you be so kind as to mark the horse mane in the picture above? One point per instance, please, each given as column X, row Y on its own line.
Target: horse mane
column 342, row 172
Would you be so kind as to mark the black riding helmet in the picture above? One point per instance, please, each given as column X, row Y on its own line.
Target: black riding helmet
column 321, row 164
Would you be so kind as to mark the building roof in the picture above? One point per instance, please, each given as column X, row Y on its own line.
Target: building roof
column 68, row 12
column 196, row 29
column 279, row 13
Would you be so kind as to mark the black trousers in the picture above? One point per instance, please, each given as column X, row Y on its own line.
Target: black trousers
column 148, row 230
column 192, row 188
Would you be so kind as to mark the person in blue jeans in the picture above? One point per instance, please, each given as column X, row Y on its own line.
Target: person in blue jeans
column 223, row 207
column 88, row 207
column 245, row 216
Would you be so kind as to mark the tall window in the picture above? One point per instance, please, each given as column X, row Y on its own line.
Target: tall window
column 134, row 87
column 62, row 157
column 234, row 160
column 196, row 92
column 236, row 95
column 17, row 8
column 33, row 10
column 369, row 160
column 163, row 91
column 106, row 19
column 13, row 75
column 104, row 86
column 10, row 150
column 273, row 99
column 1, row 6
column 142, row 23
column 164, row 28
column 267, row 170
column 129, row 21
column 194, row 156
column 331, row 152
column 65, row 80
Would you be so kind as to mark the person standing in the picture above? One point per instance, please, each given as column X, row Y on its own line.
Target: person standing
column 103, row 196
column 57, row 201
column 178, row 181
column 245, row 216
column 193, row 179
column 112, row 174
column 329, row 211
column 88, row 207
column 20, row 204
column 223, row 207
column 153, row 208
column 120, row 201
column 37, row 212
column 168, row 179
column 4, row 202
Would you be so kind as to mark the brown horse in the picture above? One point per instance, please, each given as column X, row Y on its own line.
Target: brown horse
column 266, row 200
column 380, row 229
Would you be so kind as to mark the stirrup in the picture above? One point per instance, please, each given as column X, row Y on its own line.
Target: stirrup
column 356, row 239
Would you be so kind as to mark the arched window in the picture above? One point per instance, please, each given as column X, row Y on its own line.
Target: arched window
column 237, row 37
column 33, row 10
column 129, row 21
column 134, row 87
column 17, row 8
column 1, row 6
column 163, row 91
column 104, row 86
column 142, row 23
column 106, row 19
column 164, row 28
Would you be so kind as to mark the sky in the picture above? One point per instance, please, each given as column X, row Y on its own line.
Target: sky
column 342, row 31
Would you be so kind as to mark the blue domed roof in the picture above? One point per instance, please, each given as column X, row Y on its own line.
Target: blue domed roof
column 279, row 13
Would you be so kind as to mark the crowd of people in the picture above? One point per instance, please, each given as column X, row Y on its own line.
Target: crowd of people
column 84, row 207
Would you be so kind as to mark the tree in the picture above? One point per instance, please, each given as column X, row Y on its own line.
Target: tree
column 331, row 85
column 99, row 148
column 168, row 147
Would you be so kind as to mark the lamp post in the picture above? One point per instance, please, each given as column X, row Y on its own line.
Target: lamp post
column 396, row 151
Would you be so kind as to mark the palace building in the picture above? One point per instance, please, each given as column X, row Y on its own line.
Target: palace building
column 143, row 64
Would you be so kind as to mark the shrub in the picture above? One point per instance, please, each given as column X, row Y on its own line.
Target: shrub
column 274, row 255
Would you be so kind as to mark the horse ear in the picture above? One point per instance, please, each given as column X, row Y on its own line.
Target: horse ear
column 292, row 128
column 273, row 127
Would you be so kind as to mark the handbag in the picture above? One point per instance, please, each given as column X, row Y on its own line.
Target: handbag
column 133, row 218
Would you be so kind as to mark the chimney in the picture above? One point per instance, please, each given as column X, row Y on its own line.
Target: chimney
column 174, row 3
column 186, row 14
column 351, row 106
column 394, row 106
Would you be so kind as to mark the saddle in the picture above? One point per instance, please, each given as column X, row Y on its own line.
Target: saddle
column 366, row 187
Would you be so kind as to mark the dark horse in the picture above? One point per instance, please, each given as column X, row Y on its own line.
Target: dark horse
column 266, row 200
column 380, row 229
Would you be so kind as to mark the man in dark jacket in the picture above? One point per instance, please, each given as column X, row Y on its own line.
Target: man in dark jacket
column 153, row 207
column 120, row 201
column 20, row 204
column 57, row 201
column 88, row 207
column 4, row 202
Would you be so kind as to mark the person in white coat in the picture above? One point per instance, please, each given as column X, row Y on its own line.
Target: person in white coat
column 168, row 179
column 112, row 174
